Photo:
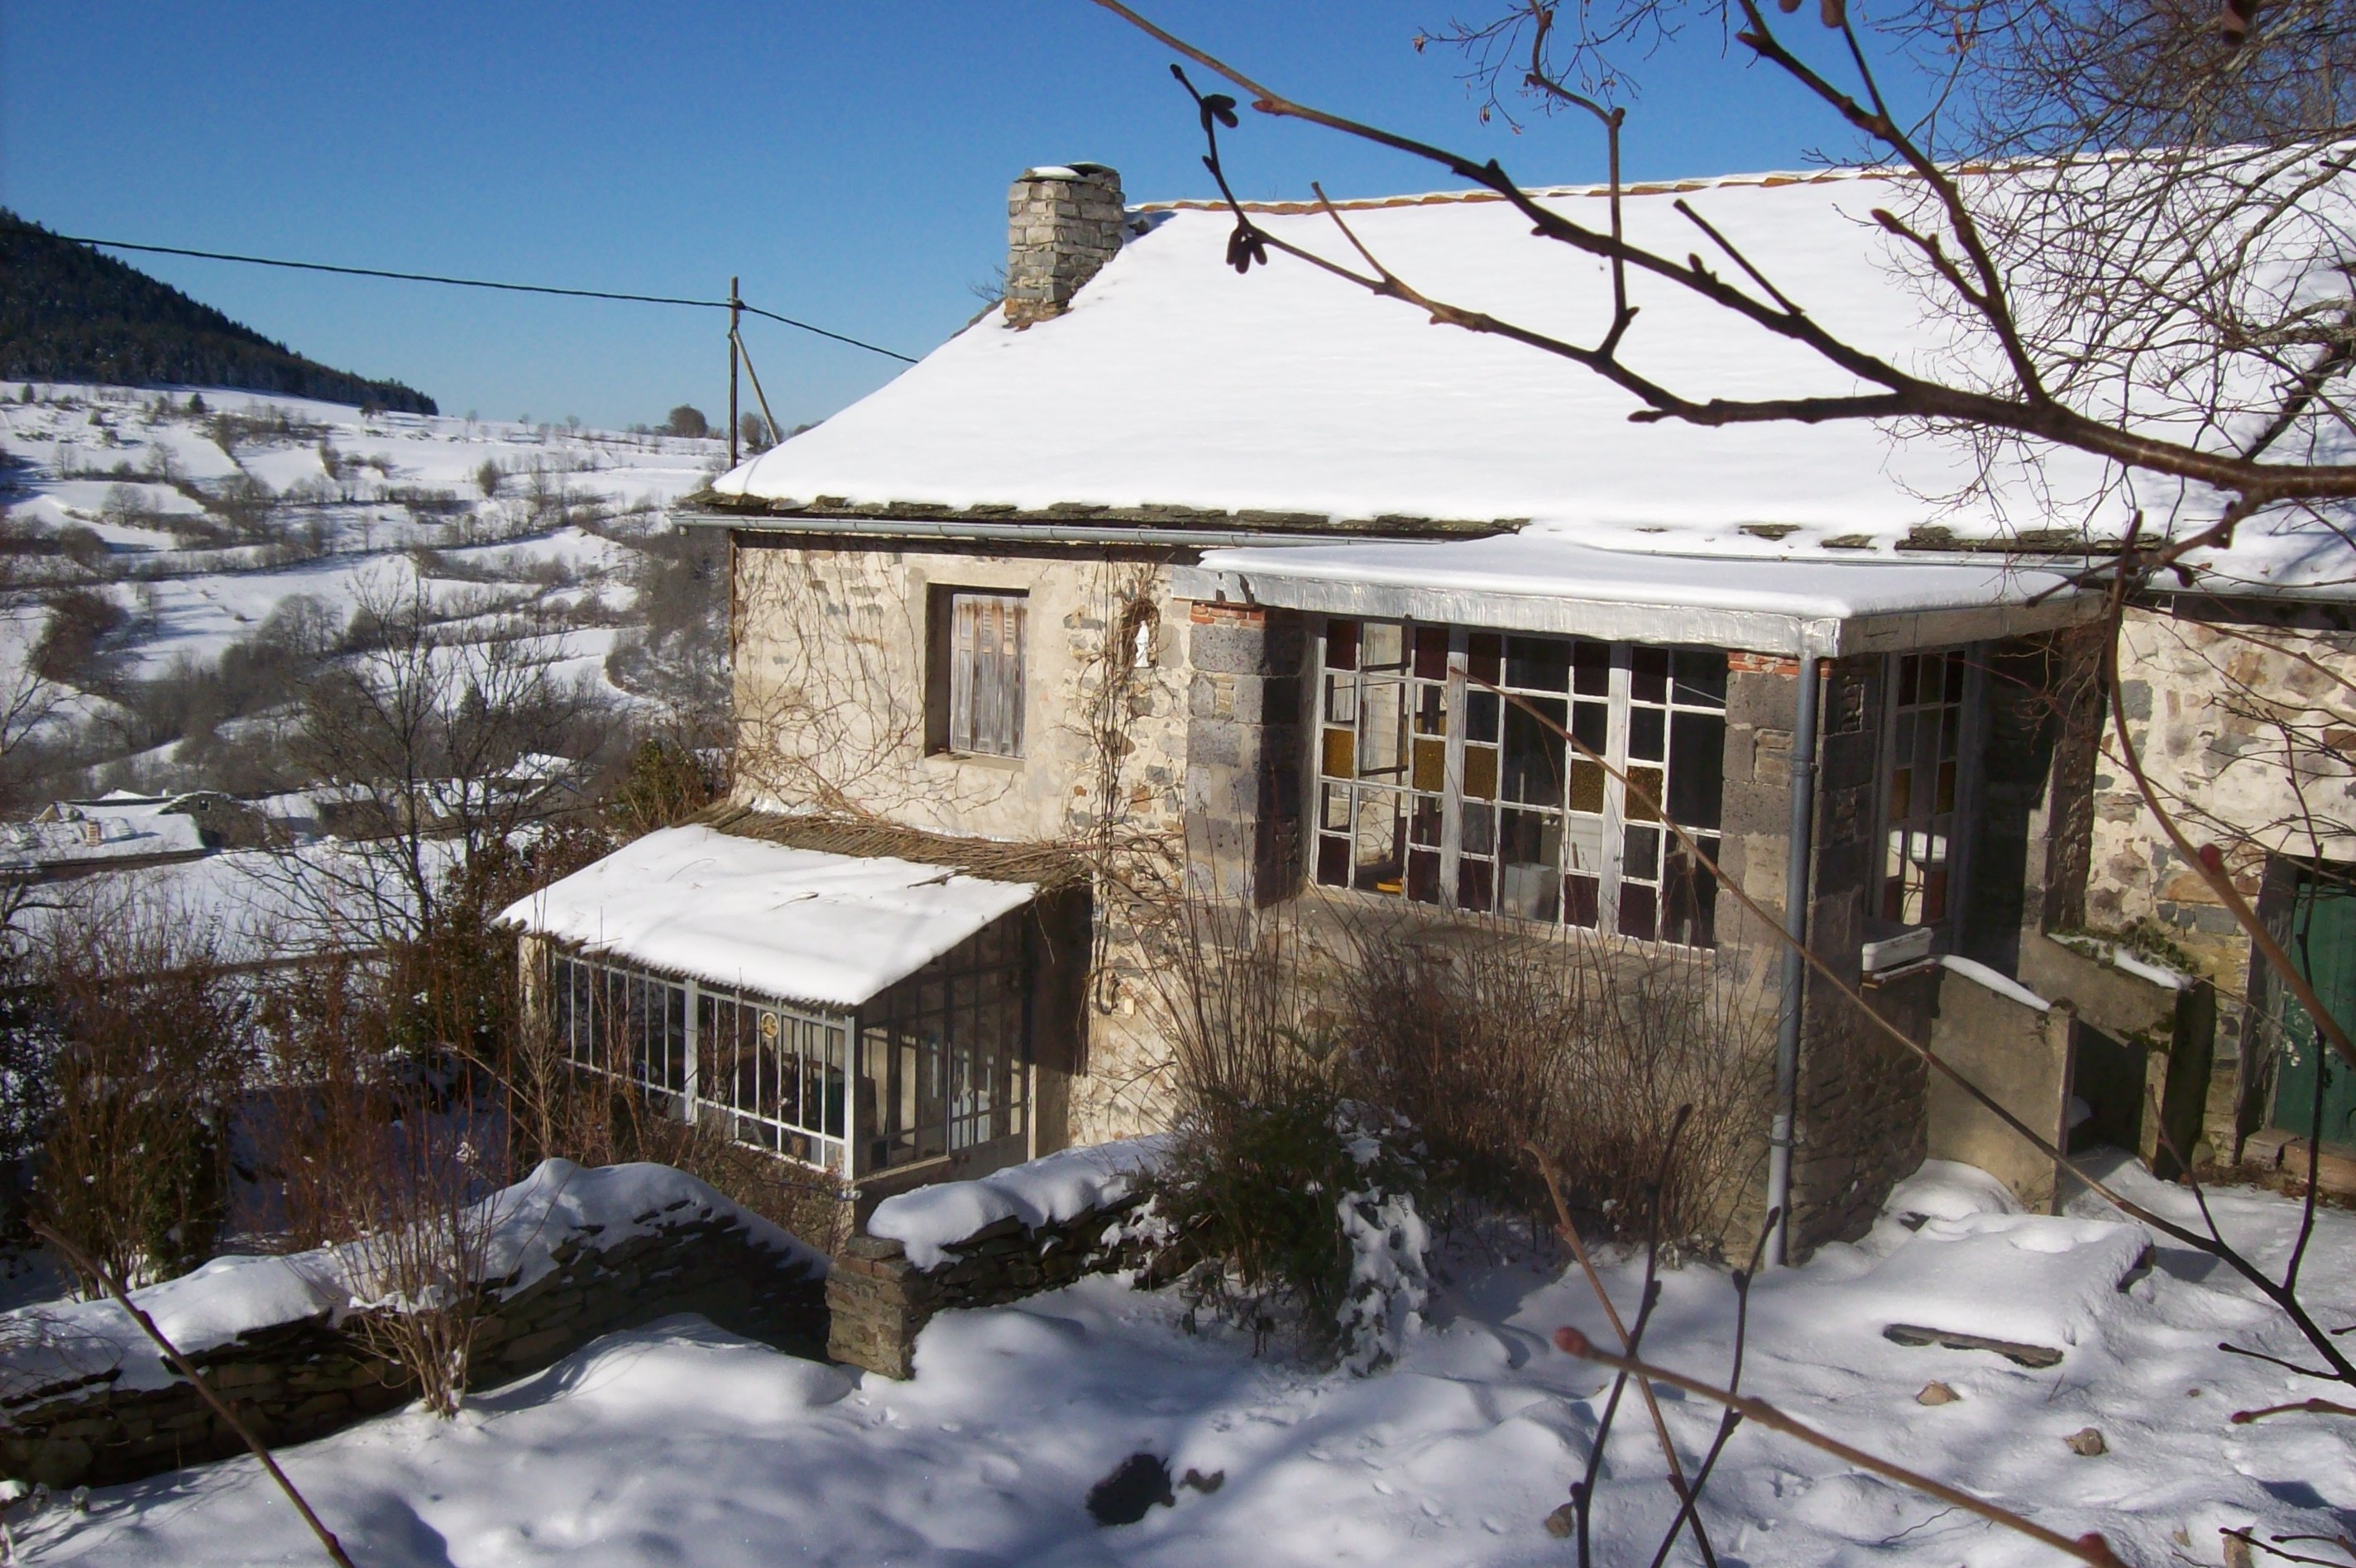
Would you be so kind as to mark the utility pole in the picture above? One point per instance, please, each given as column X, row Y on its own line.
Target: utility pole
column 735, row 309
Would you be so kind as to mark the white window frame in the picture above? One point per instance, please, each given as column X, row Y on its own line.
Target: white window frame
column 1618, row 703
column 1970, row 730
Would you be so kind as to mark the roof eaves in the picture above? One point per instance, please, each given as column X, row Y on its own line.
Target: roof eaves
column 1157, row 516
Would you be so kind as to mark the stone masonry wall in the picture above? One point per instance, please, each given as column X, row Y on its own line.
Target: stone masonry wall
column 293, row 1381
column 1860, row 1125
column 832, row 677
column 1861, row 1113
column 880, row 1300
column 1244, row 751
column 2199, row 678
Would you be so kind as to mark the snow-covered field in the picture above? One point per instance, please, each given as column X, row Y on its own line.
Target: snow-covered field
column 197, row 525
column 680, row 1444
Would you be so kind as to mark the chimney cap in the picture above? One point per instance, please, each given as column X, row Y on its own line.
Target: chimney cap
column 1066, row 171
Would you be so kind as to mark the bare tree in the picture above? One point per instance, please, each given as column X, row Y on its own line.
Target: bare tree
column 444, row 741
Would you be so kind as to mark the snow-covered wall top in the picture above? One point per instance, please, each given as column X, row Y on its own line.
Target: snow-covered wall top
column 931, row 1221
column 799, row 925
column 1316, row 397
column 232, row 1296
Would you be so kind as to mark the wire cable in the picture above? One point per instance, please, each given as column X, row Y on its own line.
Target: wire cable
column 467, row 283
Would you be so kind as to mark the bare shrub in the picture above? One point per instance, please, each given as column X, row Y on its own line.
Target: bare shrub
column 387, row 1159
column 1503, row 1045
column 421, row 1216
column 150, row 1058
column 325, row 1026
column 1292, row 1207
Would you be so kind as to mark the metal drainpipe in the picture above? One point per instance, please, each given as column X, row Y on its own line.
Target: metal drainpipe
column 1795, row 969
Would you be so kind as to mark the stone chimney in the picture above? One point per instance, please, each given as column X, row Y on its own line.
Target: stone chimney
column 1063, row 224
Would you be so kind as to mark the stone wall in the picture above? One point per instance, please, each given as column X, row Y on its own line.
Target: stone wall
column 832, row 678
column 2025, row 1058
column 1862, row 1115
column 2202, row 679
column 1245, row 749
column 879, row 1300
column 293, row 1381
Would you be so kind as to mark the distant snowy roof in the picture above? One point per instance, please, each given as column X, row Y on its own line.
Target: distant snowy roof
column 797, row 924
column 1172, row 382
column 258, row 906
column 121, row 826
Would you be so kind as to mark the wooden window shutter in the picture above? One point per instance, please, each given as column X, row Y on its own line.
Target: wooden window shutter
column 985, row 674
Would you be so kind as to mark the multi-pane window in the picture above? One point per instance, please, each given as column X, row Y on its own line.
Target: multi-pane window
column 985, row 673
column 1445, row 775
column 1923, row 781
column 939, row 1063
column 773, row 1075
column 942, row 1054
column 773, row 1072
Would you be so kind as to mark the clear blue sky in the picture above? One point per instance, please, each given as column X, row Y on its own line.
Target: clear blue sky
column 849, row 160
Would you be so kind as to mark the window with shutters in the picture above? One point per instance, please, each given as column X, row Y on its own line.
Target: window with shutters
column 979, row 656
column 1445, row 776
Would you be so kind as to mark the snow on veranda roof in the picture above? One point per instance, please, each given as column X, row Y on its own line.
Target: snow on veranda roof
column 1174, row 383
column 797, row 924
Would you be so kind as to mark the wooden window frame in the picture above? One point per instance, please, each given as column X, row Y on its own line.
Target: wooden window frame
column 1966, row 801
column 976, row 702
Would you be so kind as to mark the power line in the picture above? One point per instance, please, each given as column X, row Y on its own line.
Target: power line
column 468, row 284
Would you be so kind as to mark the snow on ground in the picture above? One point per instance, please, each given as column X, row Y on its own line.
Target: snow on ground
column 236, row 1295
column 679, row 1443
column 930, row 1220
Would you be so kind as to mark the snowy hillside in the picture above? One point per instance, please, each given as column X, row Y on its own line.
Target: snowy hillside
column 173, row 563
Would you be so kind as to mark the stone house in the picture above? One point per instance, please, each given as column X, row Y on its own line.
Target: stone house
column 1160, row 577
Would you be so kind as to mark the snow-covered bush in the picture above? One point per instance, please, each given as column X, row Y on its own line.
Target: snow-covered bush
column 1299, row 1217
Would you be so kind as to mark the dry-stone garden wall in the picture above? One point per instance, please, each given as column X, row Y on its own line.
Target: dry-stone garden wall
column 986, row 1241
column 878, row 1298
column 297, row 1379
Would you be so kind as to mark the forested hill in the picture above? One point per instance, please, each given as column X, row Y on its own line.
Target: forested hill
column 67, row 314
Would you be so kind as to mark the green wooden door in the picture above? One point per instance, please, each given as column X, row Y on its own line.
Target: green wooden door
column 2323, row 945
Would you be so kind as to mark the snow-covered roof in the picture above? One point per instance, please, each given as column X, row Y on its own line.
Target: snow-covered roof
column 1174, row 383
column 799, row 925
column 98, row 832
column 260, row 906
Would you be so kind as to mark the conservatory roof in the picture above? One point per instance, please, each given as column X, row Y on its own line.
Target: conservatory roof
column 797, row 924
